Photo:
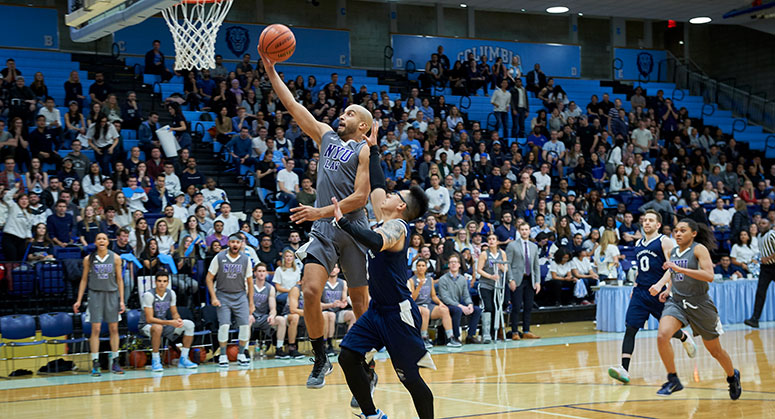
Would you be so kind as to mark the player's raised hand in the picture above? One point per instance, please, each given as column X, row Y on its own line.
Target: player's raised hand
column 337, row 210
column 372, row 139
column 268, row 64
column 304, row 213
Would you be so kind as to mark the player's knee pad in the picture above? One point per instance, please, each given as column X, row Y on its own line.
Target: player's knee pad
column 223, row 333
column 244, row 333
column 188, row 328
column 350, row 359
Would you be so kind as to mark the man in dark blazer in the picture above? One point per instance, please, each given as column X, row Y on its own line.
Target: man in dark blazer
column 524, row 280
column 536, row 79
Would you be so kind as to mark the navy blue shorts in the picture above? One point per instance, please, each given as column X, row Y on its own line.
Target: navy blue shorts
column 641, row 306
column 378, row 328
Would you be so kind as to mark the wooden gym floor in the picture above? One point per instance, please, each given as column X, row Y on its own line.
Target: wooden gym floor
column 562, row 375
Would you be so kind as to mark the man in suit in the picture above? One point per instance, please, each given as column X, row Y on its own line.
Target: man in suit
column 524, row 280
column 536, row 79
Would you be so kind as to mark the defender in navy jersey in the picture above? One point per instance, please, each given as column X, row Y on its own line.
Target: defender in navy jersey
column 393, row 319
column 651, row 252
column 343, row 173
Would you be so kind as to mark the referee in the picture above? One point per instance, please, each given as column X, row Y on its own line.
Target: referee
column 767, row 275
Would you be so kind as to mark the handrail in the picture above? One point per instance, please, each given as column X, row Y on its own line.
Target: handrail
column 712, row 109
column 460, row 103
column 672, row 95
column 659, row 67
column 115, row 50
column 614, row 67
column 387, row 54
column 734, row 124
column 767, row 143
column 491, row 114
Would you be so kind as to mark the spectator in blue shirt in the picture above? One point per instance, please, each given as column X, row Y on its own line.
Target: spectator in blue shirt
column 727, row 270
column 278, row 156
column 60, row 225
column 506, row 231
column 240, row 146
column 427, row 111
column 206, row 87
column 413, row 142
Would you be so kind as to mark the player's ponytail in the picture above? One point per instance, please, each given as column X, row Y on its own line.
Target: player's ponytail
column 704, row 236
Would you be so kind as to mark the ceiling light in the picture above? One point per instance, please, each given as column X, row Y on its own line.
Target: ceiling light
column 680, row 42
column 556, row 9
column 524, row 10
column 463, row 5
column 581, row 14
column 699, row 20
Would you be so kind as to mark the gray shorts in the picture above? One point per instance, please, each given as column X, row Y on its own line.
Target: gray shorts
column 262, row 322
column 103, row 306
column 700, row 313
column 328, row 244
column 168, row 332
column 233, row 304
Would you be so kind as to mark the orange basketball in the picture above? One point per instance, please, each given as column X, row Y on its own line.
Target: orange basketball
column 232, row 351
column 172, row 355
column 198, row 355
column 276, row 43
column 138, row 359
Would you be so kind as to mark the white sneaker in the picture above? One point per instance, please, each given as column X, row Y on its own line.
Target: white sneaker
column 223, row 361
column 619, row 373
column 243, row 360
column 690, row 346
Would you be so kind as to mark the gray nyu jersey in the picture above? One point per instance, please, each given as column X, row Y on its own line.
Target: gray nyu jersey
column 102, row 274
column 160, row 305
column 332, row 293
column 336, row 171
column 261, row 299
column 684, row 285
column 424, row 296
column 230, row 276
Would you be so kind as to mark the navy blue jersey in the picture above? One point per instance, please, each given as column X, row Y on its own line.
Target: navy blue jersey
column 388, row 275
column 650, row 258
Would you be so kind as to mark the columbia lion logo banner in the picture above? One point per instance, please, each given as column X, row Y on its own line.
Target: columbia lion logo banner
column 237, row 39
column 645, row 63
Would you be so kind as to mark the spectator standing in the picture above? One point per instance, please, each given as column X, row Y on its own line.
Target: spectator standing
column 18, row 227
column 501, row 99
column 524, row 280
column 154, row 62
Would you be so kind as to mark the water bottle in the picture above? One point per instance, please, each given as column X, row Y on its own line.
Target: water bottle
column 755, row 266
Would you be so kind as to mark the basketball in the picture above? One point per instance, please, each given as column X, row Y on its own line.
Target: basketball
column 232, row 352
column 277, row 43
column 197, row 355
column 137, row 359
column 172, row 355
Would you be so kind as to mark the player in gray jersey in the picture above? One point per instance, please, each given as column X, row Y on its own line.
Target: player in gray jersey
column 333, row 303
column 230, row 282
column 159, row 318
column 691, row 271
column 265, row 316
column 430, row 305
column 102, row 274
column 343, row 173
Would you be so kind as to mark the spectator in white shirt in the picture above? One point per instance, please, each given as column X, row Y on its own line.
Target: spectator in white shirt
column 230, row 222
column 619, row 181
column 641, row 138
column 543, row 179
column 572, row 111
column 171, row 181
column 420, row 124
column 554, row 152
column 212, row 194
column 720, row 218
column 708, row 195
column 287, row 179
column 742, row 254
column 135, row 195
column 500, row 100
column 438, row 198
column 51, row 113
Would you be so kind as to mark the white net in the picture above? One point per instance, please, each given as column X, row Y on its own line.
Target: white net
column 194, row 25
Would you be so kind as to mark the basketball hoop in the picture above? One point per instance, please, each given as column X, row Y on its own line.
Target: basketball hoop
column 194, row 25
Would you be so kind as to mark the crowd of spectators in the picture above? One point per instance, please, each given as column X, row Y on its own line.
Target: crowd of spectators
column 579, row 176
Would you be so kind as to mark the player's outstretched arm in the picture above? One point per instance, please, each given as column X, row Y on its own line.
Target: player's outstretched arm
column 376, row 175
column 303, row 117
column 390, row 236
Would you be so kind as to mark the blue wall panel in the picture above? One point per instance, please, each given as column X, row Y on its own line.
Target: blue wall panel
column 29, row 27
column 313, row 46
column 556, row 60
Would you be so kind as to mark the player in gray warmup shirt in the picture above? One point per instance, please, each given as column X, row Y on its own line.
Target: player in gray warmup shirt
column 232, row 272
column 334, row 302
column 265, row 316
column 343, row 173
column 691, row 270
column 102, row 273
